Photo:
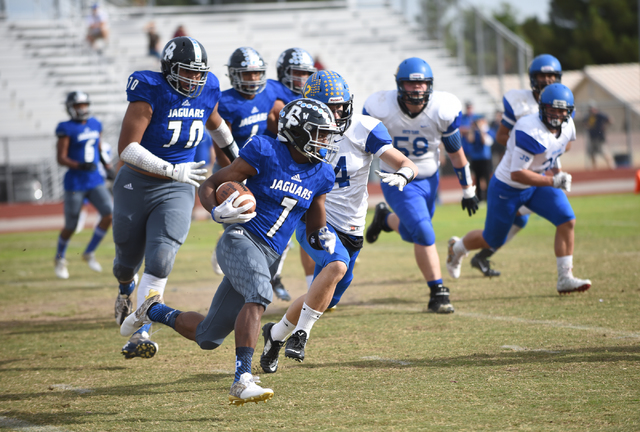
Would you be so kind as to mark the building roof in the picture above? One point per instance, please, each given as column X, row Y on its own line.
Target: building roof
column 621, row 81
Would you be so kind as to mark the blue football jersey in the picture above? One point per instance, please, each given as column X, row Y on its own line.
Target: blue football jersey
column 178, row 122
column 247, row 117
column 283, row 189
column 84, row 139
column 282, row 92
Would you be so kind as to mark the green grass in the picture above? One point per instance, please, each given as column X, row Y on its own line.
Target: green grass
column 514, row 356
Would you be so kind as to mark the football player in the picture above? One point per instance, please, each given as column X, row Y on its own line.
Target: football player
column 534, row 144
column 245, row 108
column 154, row 191
column 544, row 70
column 346, row 208
column 419, row 119
column 78, row 148
column 288, row 176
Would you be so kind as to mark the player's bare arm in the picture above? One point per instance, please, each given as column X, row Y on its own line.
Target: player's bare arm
column 222, row 138
column 502, row 136
column 316, row 216
column 394, row 158
column 272, row 119
column 134, row 124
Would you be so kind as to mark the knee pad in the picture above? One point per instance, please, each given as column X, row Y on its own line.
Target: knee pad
column 160, row 262
column 123, row 273
column 423, row 234
column 521, row 221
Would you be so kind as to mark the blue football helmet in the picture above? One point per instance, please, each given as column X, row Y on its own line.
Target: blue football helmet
column 246, row 59
column 329, row 87
column 309, row 126
column 75, row 112
column 414, row 69
column 555, row 96
column 184, row 53
column 294, row 59
column 546, row 64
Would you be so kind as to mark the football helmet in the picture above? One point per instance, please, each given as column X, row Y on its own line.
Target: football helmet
column 75, row 98
column 547, row 64
column 294, row 59
column 185, row 54
column 246, row 59
column 309, row 126
column 555, row 95
column 414, row 69
column 330, row 88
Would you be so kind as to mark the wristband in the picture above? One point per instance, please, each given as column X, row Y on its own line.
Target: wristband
column 407, row 173
column 464, row 175
column 314, row 240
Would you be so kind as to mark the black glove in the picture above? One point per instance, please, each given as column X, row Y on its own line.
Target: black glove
column 87, row 166
column 470, row 200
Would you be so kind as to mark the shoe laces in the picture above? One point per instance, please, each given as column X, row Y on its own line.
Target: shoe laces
column 299, row 339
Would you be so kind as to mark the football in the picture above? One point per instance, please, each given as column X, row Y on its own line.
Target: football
column 225, row 190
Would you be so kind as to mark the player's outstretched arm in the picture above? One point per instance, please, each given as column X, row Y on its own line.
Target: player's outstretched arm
column 405, row 169
column 222, row 137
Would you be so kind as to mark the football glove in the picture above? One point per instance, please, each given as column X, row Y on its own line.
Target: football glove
column 470, row 200
column 399, row 178
column 327, row 240
column 228, row 213
column 562, row 180
column 188, row 172
column 87, row 166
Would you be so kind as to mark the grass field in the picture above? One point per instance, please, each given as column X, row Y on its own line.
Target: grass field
column 514, row 356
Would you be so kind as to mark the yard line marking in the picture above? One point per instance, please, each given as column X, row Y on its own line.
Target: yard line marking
column 23, row 426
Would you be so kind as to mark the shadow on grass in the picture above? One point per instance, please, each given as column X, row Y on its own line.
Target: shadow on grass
column 610, row 354
column 54, row 325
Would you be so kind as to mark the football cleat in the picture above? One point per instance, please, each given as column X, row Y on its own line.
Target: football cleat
column 61, row 268
column 139, row 318
column 439, row 302
column 279, row 289
column 569, row 284
column 246, row 390
column 215, row 265
column 271, row 351
column 331, row 309
column 484, row 265
column 124, row 306
column 90, row 258
column 295, row 346
column 454, row 261
column 139, row 346
column 377, row 225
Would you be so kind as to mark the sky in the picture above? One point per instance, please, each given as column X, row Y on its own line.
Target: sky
column 523, row 8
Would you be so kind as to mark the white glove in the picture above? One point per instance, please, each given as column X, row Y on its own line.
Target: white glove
column 562, row 180
column 394, row 179
column 188, row 172
column 327, row 240
column 228, row 212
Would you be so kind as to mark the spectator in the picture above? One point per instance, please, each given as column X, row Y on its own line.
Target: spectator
column 477, row 142
column 153, row 39
column 597, row 123
column 180, row 31
column 497, row 151
column 97, row 25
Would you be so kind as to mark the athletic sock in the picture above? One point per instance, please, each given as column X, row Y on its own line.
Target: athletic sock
column 485, row 254
column 459, row 249
column 146, row 284
column 98, row 235
column 565, row 264
column 145, row 328
column 163, row 314
column 127, row 288
column 62, row 248
column 282, row 329
column 308, row 318
column 243, row 361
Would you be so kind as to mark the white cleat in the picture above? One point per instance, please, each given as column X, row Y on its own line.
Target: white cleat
column 569, row 284
column 454, row 261
column 139, row 318
column 246, row 390
column 90, row 258
column 61, row 268
column 215, row 265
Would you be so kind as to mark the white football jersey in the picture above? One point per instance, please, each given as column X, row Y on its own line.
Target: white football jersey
column 532, row 146
column 517, row 104
column 417, row 138
column 346, row 204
